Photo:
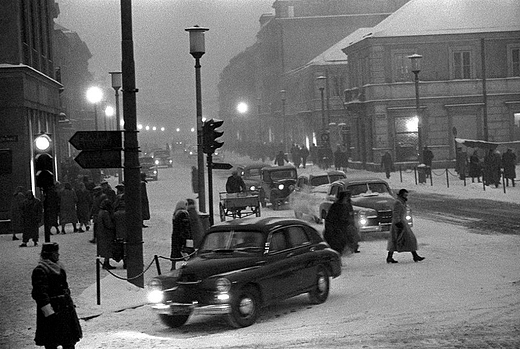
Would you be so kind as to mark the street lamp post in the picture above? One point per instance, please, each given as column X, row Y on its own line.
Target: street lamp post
column 117, row 82
column 321, row 86
column 94, row 96
column 283, row 94
column 258, row 112
column 416, row 60
column 197, row 50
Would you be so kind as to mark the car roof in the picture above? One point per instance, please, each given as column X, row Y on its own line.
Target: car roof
column 264, row 224
column 348, row 181
column 321, row 174
column 284, row 167
column 255, row 165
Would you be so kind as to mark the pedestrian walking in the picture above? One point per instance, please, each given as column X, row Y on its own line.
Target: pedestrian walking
column 197, row 228
column 402, row 239
column 118, row 247
column 17, row 212
column 97, row 199
column 387, row 164
column 145, row 204
column 280, row 159
column 475, row 168
column 509, row 165
column 492, row 168
column 339, row 158
column 295, row 155
column 56, row 319
column 32, row 215
column 83, row 207
column 52, row 207
column 106, row 233
column 340, row 230
column 304, row 152
column 68, row 202
column 428, row 159
column 181, row 231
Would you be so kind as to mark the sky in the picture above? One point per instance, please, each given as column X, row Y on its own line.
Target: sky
column 165, row 74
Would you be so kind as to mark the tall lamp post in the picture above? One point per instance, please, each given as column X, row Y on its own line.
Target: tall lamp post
column 117, row 83
column 283, row 96
column 94, row 96
column 416, row 68
column 197, row 50
column 320, row 80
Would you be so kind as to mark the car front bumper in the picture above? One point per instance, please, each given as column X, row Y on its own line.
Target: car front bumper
column 187, row 308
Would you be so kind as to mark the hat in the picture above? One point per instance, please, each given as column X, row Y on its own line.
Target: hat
column 50, row 247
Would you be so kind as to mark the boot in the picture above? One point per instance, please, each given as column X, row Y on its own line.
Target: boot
column 416, row 257
column 15, row 238
column 390, row 258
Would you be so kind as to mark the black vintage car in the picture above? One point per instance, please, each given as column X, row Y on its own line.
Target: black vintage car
column 277, row 183
column 252, row 175
column 244, row 265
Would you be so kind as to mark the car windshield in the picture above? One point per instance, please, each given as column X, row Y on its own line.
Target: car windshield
column 235, row 240
column 319, row 180
column 365, row 189
column 161, row 153
column 252, row 172
column 283, row 174
column 146, row 161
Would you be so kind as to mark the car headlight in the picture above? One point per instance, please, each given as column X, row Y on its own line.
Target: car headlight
column 252, row 188
column 170, row 161
column 157, row 162
column 280, row 186
column 363, row 221
column 155, row 292
column 223, row 285
column 154, row 171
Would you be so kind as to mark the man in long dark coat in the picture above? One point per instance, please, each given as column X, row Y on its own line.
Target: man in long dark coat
column 509, row 165
column 387, row 164
column 56, row 319
column 32, row 217
column 340, row 230
column 145, row 204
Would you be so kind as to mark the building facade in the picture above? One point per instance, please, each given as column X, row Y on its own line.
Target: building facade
column 297, row 32
column 469, row 80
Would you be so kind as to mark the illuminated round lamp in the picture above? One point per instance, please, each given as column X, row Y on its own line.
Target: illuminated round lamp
column 242, row 107
column 42, row 143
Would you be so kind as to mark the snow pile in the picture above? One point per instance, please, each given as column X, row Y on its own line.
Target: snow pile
column 116, row 295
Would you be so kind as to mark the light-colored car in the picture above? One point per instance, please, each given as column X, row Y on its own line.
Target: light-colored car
column 372, row 199
column 310, row 192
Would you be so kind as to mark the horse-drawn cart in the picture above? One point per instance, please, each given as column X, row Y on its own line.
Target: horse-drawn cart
column 238, row 205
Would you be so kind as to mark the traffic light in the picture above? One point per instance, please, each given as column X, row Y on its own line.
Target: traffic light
column 43, row 161
column 210, row 135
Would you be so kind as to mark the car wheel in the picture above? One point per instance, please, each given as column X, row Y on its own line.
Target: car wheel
column 320, row 289
column 245, row 308
column 298, row 215
column 174, row 321
column 262, row 199
column 258, row 212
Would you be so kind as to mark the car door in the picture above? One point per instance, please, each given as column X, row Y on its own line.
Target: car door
column 281, row 276
column 301, row 257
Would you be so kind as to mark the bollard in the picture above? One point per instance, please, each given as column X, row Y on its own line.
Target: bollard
column 157, row 264
column 98, row 281
column 415, row 174
column 401, row 173
column 503, row 182
column 447, row 179
column 431, row 178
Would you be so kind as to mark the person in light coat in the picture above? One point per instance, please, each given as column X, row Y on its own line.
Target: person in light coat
column 402, row 239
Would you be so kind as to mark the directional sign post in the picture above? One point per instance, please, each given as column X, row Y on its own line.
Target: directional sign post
column 221, row 166
column 100, row 149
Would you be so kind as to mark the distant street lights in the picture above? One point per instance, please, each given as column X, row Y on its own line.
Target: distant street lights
column 283, row 96
column 197, row 50
column 109, row 113
column 94, row 96
column 416, row 60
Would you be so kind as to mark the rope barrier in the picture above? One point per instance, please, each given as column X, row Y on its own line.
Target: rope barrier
column 454, row 175
column 127, row 279
column 440, row 174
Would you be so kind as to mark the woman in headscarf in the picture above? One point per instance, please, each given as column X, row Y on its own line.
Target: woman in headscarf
column 181, row 230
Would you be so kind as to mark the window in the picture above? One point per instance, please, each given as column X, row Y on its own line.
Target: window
column 278, row 242
column 462, row 65
column 401, row 67
column 514, row 60
column 297, row 236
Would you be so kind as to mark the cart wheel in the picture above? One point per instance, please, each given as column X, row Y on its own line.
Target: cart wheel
column 222, row 212
column 257, row 211
column 261, row 197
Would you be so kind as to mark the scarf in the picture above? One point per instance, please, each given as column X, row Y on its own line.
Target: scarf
column 50, row 266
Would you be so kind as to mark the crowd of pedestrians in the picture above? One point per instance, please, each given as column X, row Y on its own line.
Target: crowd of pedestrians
column 77, row 205
column 491, row 168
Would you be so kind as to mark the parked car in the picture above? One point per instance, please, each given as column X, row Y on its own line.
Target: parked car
column 372, row 199
column 244, row 265
column 162, row 158
column 310, row 191
column 277, row 184
column 252, row 175
column 149, row 168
